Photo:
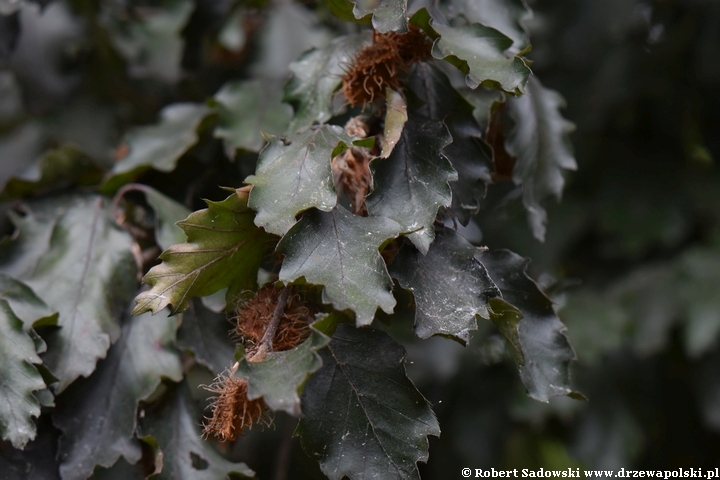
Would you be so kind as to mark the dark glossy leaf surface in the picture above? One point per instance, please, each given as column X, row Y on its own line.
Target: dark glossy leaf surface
column 480, row 52
column 316, row 76
column 540, row 143
column 279, row 377
column 249, row 109
column 412, row 183
column 174, row 427
column 224, row 249
column 19, row 378
column 450, row 286
column 294, row 175
column 340, row 251
column 363, row 417
column 545, row 350
column 97, row 414
column 206, row 334
column 158, row 146
column 468, row 153
column 64, row 166
column 86, row 273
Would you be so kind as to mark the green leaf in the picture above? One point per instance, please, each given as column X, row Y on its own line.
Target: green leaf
column 86, row 274
column 158, row 146
column 363, row 418
column 66, row 165
column 468, row 153
column 97, row 414
column 247, row 110
column 294, row 175
column 316, row 76
column 540, row 143
column 173, row 427
column 545, row 351
column 281, row 375
column 506, row 16
column 18, row 380
column 167, row 213
column 451, row 287
column 205, row 333
column 412, row 184
column 340, row 251
column 25, row 303
column 153, row 44
column 224, row 249
column 479, row 52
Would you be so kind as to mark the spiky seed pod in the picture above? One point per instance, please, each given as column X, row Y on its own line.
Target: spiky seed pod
column 253, row 318
column 232, row 412
column 379, row 65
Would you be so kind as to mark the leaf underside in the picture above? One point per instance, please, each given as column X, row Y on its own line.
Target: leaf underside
column 540, row 335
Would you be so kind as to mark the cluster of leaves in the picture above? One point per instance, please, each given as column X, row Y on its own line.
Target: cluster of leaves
column 79, row 346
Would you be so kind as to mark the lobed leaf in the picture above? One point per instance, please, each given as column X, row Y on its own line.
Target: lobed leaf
column 412, row 183
column 539, row 337
column 340, row 251
column 86, row 272
column 294, row 175
column 248, row 110
column 468, row 153
column 224, row 249
column 450, row 286
column 172, row 428
column 281, row 375
column 63, row 166
column 19, row 378
column 387, row 15
column 98, row 414
column 362, row 416
column 540, row 143
column 316, row 76
column 480, row 52
column 158, row 146
column 506, row 16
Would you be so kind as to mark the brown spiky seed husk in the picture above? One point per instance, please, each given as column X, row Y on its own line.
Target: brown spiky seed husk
column 378, row 66
column 232, row 412
column 253, row 318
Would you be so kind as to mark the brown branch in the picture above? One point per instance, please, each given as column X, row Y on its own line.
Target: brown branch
column 266, row 342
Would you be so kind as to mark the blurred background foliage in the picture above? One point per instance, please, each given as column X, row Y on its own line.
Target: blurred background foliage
column 631, row 257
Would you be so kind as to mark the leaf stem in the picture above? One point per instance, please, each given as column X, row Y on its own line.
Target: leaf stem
column 266, row 342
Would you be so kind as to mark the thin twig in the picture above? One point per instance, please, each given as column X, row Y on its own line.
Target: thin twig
column 266, row 342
